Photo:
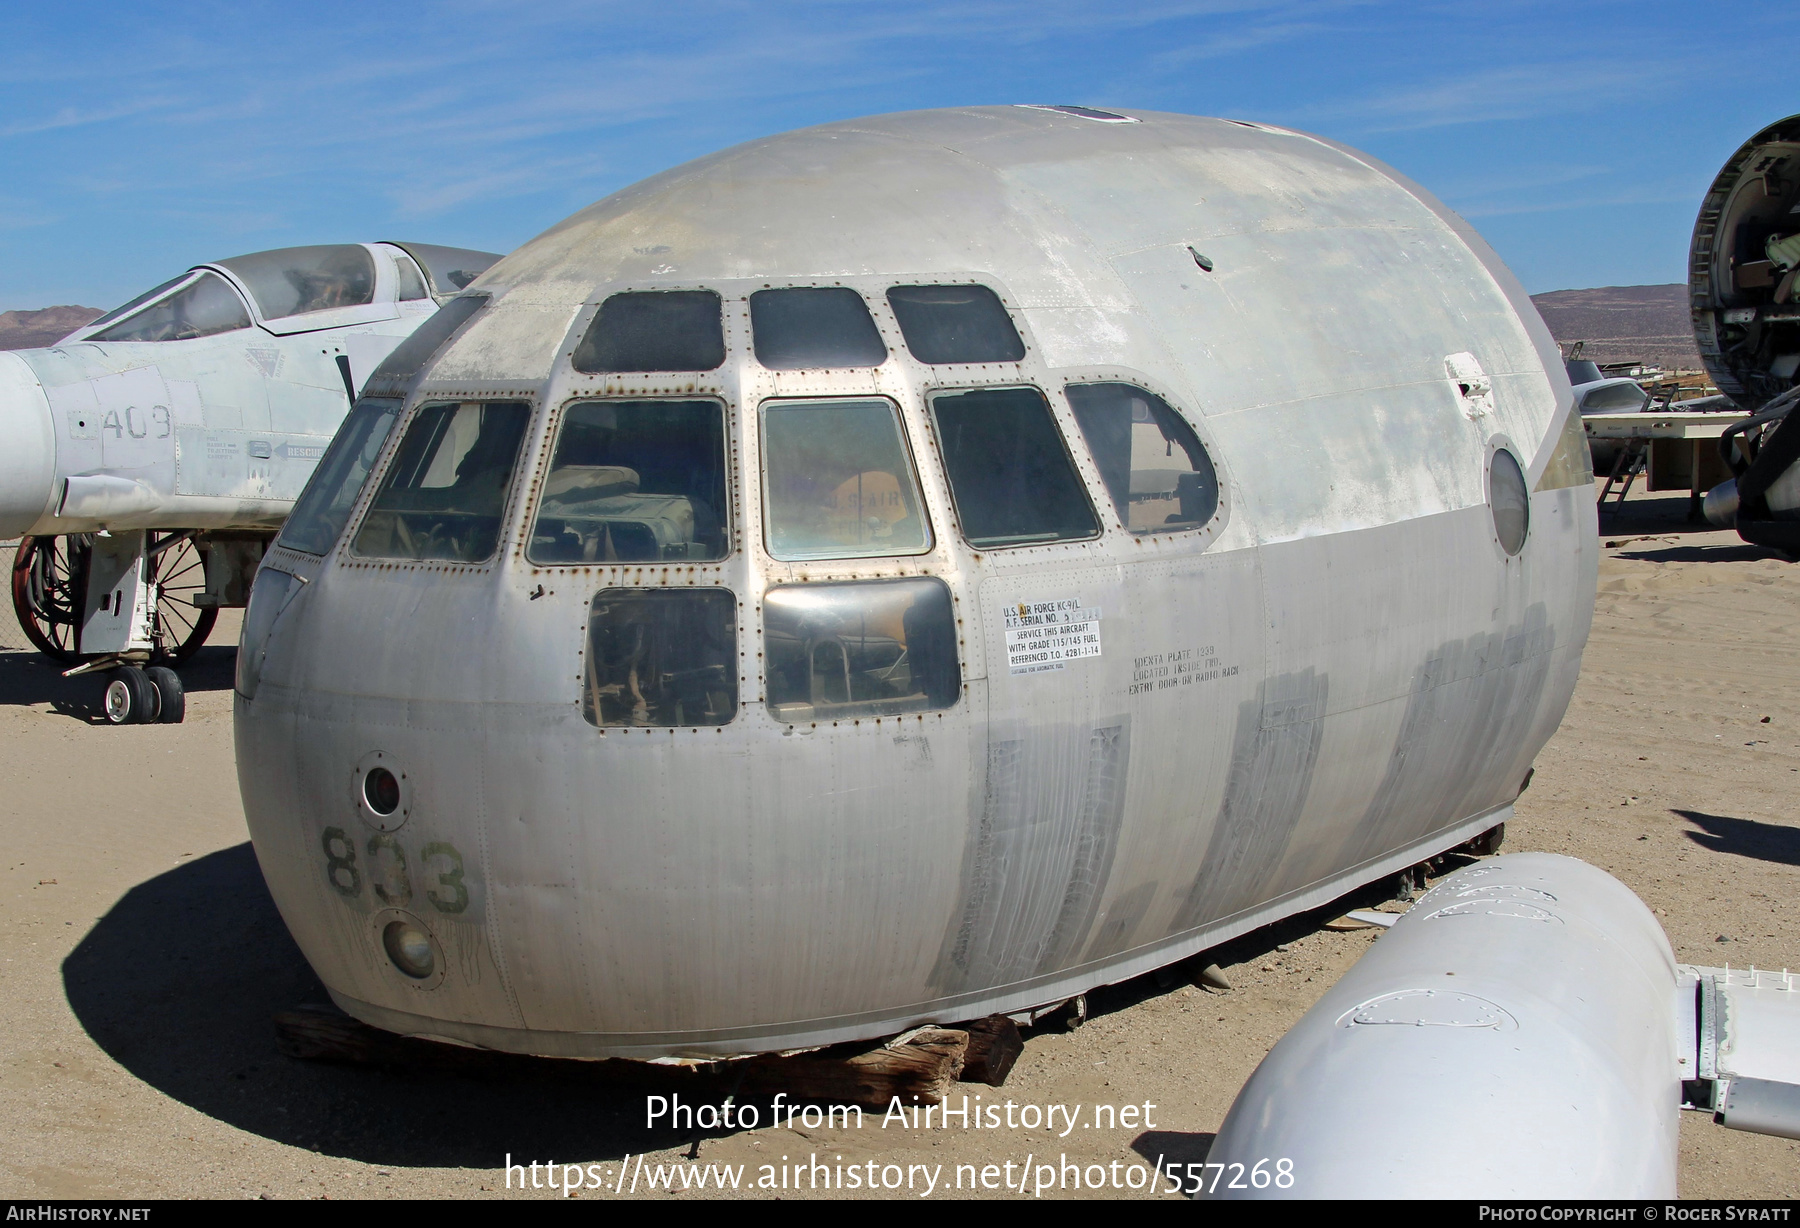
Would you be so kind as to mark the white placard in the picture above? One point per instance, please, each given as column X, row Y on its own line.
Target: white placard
column 1044, row 635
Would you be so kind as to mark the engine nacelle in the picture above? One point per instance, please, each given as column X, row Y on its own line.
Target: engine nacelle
column 1518, row 1033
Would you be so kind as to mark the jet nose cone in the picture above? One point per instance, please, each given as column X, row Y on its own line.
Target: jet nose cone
column 27, row 447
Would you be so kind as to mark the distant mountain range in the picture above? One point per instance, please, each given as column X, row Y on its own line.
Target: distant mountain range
column 1624, row 322
column 1617, row 322
column 26, row 330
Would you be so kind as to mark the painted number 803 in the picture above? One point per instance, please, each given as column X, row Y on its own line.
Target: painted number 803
column 388, row 873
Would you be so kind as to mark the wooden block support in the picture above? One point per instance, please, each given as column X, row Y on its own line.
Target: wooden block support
column 919, row 1070
column 994, row 1045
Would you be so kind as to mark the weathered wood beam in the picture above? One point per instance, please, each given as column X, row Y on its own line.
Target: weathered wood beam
column 918, row 1067
column 994, row 1045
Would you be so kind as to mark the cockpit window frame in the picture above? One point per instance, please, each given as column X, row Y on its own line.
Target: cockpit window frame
column 530, row 456
column 170, row 290
column 1086, row 477
column 384, row 305
column 143, row 302
column 1006, row 310
column 1181, row 419
column 1184, row 540
column 908, row 453
column 546, row 435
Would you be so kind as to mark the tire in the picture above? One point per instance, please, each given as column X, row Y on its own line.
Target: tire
column 173, row 705
column 131, row 698
column 50, row 591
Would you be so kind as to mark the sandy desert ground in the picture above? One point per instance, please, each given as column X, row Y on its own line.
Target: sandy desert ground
column 143, row 959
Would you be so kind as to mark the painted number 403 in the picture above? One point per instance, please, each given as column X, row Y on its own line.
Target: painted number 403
column 440, row 869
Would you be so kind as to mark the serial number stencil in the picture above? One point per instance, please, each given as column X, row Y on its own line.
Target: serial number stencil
column 1044, row 635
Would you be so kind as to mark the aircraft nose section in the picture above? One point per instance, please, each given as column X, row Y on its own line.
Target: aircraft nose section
column 27, row 447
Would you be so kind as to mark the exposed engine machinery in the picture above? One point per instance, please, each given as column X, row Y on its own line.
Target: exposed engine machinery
column 1744, row 287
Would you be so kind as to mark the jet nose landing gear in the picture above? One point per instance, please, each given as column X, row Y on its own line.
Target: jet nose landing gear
column 128, row 606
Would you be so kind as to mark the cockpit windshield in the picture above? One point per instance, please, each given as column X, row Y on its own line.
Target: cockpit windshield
column 1158, row 474
column 955, row 324
column 445, row 490
column 292, row 281
column 669, row 330
column 838, row 482
column 324, row 506
column 814, row 326
column 147, row 296
column 634, row 482
column 412, row 282
column 1010, row 476
column 207, row 305
column 450, row 269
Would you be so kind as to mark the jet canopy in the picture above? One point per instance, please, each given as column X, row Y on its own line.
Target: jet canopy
column 291, row 289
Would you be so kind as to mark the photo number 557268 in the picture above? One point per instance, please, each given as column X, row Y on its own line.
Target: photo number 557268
column 1259, row 1176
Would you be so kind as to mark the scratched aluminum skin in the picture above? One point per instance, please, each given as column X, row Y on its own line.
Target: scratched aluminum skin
column 1374, row 674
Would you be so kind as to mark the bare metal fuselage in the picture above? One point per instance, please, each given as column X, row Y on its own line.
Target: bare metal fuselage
column 1344, row 672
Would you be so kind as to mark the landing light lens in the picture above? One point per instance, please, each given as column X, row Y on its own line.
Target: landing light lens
column 381, row 791
column 410, row 949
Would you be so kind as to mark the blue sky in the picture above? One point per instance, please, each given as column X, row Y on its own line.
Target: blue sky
column 138, row 139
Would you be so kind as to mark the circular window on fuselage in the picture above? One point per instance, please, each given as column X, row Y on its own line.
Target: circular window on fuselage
column 1508, row 500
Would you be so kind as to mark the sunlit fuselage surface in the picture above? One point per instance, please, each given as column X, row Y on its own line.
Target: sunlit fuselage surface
column 911, row 569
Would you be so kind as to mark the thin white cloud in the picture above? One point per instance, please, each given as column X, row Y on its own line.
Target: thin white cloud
column 1508, row 92
column 1608, row 200
column 76, row 117
column 1235, row 42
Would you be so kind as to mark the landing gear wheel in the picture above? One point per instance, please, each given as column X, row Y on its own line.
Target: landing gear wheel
column 178, row 574
column 173, row 705
column 50, row 590
column 131, row 698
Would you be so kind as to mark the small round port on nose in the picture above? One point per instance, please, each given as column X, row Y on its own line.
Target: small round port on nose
column 381, row 790
column 410, row 949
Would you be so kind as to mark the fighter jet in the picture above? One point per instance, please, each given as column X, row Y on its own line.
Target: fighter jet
column 149, row 457
column 907, row 570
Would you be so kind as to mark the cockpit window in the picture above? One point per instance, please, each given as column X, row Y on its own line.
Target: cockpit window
column 837, row 481
column 292, row 281
column 667, row 330
column 1159, row 476
column 412, row 282
column 450, row 268
column 208, row 305
column 634, row 482
column 324, row 506
column 445, row 490
column 140, row 300
column 947, row 324
column 875, row 648
column 814, row 326
column 1010, row 476
column 661, row 657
